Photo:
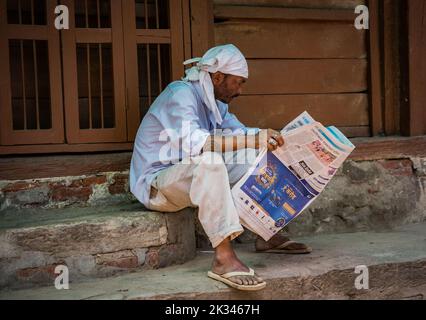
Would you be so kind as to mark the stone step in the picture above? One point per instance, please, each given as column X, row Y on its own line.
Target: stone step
column 367, row 193
column 395, row 260
column 93, row 241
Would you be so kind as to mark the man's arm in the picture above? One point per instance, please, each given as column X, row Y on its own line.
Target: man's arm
column 266, row 138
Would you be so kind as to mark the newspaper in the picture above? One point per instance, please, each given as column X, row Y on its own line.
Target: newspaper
column 282, row 184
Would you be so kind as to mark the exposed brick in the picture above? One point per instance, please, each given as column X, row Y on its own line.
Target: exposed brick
column 120, row 184
column 153, row 258
column 403, row 167
column 93, row 180
column 87, row 182
column 48, row 270
column 63, row 193
column 71, row 190
column 19, row 186
column 78, row 190
column 166, row 255
column 123, row 259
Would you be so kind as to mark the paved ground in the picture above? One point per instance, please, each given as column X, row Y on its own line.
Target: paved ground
column 396, row 263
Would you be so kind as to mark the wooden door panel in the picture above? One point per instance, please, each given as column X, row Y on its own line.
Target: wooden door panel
column 154, row 53
column 302, row 55
column 281, row 76
column 274, row 111
column 30, row 80
column 94, row 83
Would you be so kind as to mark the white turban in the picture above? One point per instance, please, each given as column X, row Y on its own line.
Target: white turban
column 226, row 59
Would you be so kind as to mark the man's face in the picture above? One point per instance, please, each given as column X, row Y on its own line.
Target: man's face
column 226, row 86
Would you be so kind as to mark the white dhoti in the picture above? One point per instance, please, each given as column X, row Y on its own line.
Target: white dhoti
column 204, row 183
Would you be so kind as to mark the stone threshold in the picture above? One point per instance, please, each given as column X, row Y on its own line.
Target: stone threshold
column 396, row 263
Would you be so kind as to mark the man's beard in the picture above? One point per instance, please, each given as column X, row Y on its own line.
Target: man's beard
column 229, row 99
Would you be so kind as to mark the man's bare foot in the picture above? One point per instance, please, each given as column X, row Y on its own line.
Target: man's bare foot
column 226, row 261
column 279, row 239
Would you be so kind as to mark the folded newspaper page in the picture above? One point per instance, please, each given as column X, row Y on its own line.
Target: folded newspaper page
column 282, row 184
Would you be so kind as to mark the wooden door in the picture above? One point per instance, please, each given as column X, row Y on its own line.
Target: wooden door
column 93, row 62
column 153, row 42
column 302, row 55
column 30, row 77
column 88, row 87
column 416, row 116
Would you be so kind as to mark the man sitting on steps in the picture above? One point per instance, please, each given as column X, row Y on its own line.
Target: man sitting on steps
column 180, row 160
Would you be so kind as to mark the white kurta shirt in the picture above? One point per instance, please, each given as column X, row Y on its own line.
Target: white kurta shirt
column 177, row 117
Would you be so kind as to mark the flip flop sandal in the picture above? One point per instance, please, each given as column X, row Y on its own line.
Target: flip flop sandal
column 282, row 249
column 244, row 287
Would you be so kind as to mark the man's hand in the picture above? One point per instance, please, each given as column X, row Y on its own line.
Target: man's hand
column 271, row 139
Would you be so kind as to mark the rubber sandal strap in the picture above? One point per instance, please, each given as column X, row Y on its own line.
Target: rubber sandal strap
column 285, row 244
column 238, row 273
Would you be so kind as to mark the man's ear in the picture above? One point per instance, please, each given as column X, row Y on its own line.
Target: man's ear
column 217, row 78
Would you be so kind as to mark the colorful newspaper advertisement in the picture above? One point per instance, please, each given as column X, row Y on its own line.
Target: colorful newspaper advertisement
column 282, row 184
